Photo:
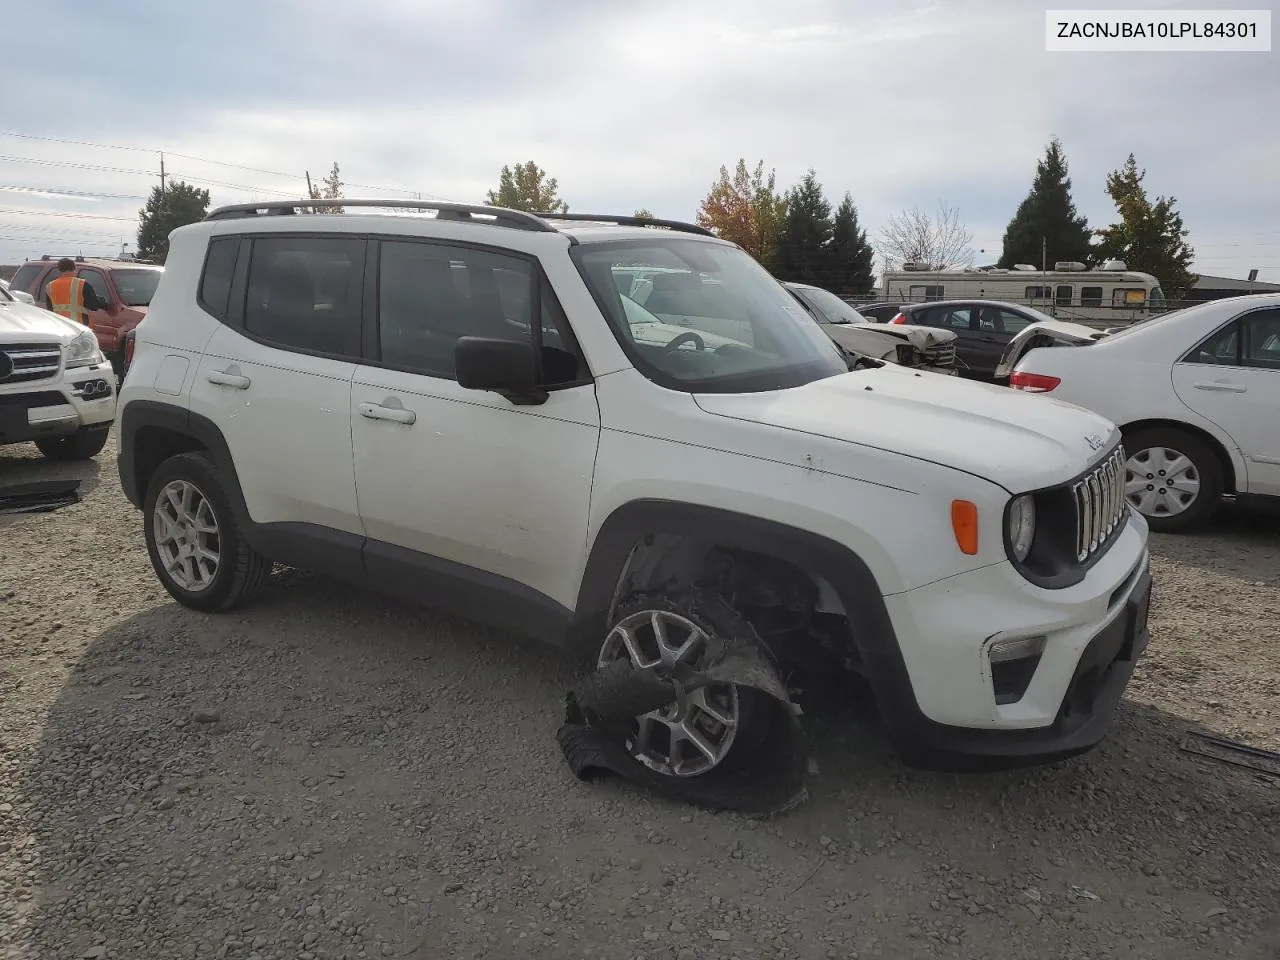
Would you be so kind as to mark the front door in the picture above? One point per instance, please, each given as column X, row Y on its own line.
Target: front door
column 101, row 322
column 276, row 378
column 464, row 485
column 1233, row 379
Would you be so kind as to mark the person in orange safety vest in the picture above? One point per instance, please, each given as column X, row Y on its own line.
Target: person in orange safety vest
column 69, row 296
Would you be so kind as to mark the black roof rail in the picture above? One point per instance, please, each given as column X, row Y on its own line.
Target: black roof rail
column 622, row 221
column 466, row 212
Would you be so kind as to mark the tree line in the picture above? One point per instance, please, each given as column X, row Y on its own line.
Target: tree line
column 799, row 236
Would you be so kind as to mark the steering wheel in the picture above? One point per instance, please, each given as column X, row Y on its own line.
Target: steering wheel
column 682, row 338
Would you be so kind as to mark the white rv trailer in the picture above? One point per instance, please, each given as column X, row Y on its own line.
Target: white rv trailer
column 1109, row 295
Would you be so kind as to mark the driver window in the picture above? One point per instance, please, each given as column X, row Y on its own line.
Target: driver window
column 1222, row 348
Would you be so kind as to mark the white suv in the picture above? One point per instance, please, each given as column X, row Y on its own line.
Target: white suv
column 468, row 410
column 56, row 387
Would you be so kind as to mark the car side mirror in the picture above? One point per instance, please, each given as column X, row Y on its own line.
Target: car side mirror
column 506, row 367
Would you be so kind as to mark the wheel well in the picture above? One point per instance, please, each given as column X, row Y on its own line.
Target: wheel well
column 1228, row 468
column 153, row 446
column 796, row 611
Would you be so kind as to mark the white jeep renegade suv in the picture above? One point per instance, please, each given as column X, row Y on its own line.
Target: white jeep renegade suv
column 471, row 411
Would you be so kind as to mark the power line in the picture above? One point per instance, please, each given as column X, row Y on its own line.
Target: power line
column 56, row 213
column 67, row 192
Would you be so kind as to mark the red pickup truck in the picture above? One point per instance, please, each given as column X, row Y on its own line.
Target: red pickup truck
column 127, row 285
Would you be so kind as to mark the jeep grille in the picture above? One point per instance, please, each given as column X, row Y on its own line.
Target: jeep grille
column 1100, row 504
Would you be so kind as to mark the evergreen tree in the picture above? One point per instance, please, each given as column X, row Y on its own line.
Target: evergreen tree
column 527, row 187
column 1046, row 224
column 175, row 206
column 851, row 254
column 1150, row 236
column 804, row 248
column 330, row 188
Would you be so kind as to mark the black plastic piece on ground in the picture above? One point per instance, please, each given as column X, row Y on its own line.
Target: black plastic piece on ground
column 39, row 497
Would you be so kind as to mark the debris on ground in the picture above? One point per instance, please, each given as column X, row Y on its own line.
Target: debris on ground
column 41, row 497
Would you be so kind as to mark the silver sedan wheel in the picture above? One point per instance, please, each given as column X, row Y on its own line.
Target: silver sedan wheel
column 675, row 741
column 1161, row 482
column 186, row 535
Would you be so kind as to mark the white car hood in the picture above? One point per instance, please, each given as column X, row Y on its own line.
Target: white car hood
column 1021, row 441
column 23, row 323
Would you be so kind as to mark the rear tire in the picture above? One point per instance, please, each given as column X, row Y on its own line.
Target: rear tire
column 85, row 444
column 1173, row 478
column 196, row 546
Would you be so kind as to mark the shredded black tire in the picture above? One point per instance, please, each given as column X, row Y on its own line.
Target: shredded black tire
column 241, row 570
column 765, row 771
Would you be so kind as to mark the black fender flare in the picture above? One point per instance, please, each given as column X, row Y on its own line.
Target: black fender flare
column 139, row 414
column 847, row 573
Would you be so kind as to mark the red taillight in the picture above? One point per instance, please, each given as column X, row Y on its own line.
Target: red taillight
column 1033, row 382
column 900, row 318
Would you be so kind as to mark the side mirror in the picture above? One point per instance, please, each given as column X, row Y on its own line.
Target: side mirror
column 507, row 367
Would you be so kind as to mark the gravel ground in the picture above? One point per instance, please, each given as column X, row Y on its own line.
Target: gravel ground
column 327, row 774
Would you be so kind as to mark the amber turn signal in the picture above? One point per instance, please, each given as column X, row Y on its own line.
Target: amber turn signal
column 964, row 522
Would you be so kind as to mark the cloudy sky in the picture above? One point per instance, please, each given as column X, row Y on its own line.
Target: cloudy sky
column 627, row 104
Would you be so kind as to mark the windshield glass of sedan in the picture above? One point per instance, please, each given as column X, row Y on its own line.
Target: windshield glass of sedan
column 136, row 287
column 836, row 310
column 704, row 317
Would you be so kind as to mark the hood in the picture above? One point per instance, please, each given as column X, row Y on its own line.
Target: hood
column 1020, row 441
column 1048, row 333
column 881, row 340
column 21, row 322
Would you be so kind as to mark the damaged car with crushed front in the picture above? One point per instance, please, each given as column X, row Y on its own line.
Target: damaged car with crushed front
column 701, row 507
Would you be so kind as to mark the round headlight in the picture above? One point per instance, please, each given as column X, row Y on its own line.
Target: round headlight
column 1021, row 526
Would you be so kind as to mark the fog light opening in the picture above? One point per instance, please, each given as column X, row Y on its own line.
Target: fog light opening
column 1013, row 664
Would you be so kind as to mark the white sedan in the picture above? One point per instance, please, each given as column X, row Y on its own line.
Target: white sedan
column 1197, row 395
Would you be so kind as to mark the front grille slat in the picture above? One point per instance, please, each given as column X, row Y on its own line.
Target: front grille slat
column 1100, row 505
column 30, row 361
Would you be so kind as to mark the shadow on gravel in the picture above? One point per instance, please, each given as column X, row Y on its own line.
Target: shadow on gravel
column 327, row 775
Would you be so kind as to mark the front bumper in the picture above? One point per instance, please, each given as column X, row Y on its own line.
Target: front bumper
column 947, row 707
column 57, row 408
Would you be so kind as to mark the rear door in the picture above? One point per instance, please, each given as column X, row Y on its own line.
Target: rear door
column 276, row 378
column 1233, row 379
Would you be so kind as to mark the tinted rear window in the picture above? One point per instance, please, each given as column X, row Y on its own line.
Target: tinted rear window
column 219, row 269
column 305, row 293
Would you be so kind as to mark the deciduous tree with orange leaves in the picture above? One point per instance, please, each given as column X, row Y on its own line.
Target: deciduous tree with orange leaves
column 745, row 208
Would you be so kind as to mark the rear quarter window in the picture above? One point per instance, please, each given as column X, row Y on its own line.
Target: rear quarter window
column 219, row 270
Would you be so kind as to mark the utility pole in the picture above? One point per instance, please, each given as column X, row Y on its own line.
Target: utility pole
column 310, row 193
column 162, row 176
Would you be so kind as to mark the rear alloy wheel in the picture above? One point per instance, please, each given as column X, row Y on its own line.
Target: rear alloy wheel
column 675, row 741
column 196, row 547
column 1172, row 478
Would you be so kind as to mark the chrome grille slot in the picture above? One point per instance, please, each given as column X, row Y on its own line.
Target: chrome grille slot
column 28, row 362
column 1100, row 505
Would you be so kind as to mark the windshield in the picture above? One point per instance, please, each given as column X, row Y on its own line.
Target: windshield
column 704, row 317
column 835, row 309
column 136, row 287
column 5, row 296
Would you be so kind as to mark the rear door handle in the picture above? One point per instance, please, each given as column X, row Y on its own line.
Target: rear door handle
column 1221, row 385
column 227, row 379
column 374, row 411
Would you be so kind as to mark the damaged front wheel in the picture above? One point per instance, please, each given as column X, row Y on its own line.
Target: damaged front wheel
column 696, row 733
column 686, row 700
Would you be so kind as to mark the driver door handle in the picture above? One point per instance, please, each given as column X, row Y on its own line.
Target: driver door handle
column 373, row 411
column 1221, row 385
column 227, row 379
